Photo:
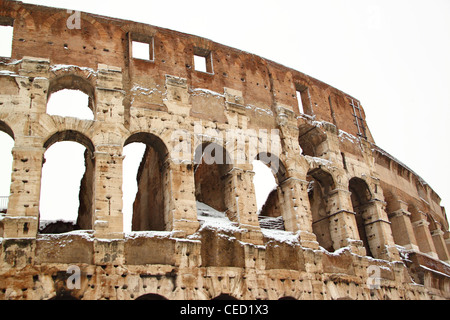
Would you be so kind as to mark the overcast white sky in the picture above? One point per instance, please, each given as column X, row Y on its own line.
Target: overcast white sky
column 392, row 55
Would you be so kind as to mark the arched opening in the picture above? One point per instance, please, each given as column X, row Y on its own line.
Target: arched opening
column 224, row 297
column 151, row 296
column 287, row 299
column 6, row 161
column 70, row 103
column 70, row 95
column 361, row 196
column 321, row 183
column 150, row 207
column 67, row 184
column 269, row 173
column 311, row 140
column 212, row 165
column 134, row 154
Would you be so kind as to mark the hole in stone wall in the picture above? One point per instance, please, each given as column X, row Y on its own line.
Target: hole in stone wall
column 200, row 63
column 70, row 103
column 141, row 50
column 6, row 40
column 203, row 60
column 61, row 185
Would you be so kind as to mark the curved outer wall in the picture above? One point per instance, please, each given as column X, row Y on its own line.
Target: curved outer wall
column 357, row 223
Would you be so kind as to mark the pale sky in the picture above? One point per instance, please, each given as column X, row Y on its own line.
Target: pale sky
column 391, row 55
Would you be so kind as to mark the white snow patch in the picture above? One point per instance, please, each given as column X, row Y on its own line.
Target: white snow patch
column 7, row 73
column 281, row 236
column 201, row 91
column 66, row 67
column 209, row 217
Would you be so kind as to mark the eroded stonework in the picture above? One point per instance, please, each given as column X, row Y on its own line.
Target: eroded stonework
column 347, row 220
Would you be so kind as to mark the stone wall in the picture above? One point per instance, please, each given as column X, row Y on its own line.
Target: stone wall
column 358, row 224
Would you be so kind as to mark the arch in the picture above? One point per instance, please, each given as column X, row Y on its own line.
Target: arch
column 321, row 183
column 275, row 164
column 69, row 81
column 98, row 27
column 151, row 296
column 71, row 135
column 85, row 217
column 6, row 129
column 212, row 165
column 311, row 139
column 287, row 298
column 270, row 214
column 225, row 297
column 360, row 197
column 151, row 205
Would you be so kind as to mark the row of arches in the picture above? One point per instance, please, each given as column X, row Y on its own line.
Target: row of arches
column 146, row 205
column 144, row 182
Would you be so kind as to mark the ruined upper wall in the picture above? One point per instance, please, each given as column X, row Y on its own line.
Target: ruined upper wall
column 43, row 32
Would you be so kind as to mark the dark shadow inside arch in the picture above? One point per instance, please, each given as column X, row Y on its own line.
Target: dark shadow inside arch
column 6, row 129
column 287, row 299
column 361, row 196
column 71, row 135
column 151, row 296
column 212, row 165
column 150, row 208
column 224, row 297
column 321, row 183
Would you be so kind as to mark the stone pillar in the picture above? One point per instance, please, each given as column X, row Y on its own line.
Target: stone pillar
column 108, row 217
column 22, row 218
column 181, row 197
column 241, row 202
column 440, row 245
column 423, row 236
column 343, row 227
column 378, row 231
column 294, row 202
column 402, row 229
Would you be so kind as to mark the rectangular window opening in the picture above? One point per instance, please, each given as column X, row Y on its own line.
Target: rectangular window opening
column 300, row 102
column 203, row 60
column 6, row 37
column 303, row 99
column 142, row 47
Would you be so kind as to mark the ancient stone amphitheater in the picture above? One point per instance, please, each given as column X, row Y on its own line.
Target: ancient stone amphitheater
column 346, row 221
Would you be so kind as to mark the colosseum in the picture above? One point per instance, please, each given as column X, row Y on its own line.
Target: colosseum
column 346, row 220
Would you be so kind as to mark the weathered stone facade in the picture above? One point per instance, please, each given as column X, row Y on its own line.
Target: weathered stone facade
column 358, row 224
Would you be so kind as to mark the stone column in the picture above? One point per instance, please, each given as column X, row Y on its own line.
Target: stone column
column 423, row 236
column 343, row 227
column 108, row 217
column 402, row 229
column 22, row 218
column 439, row 243
column 294, row 202
column 181, row 198
column 378, row 231
column 241, row 202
